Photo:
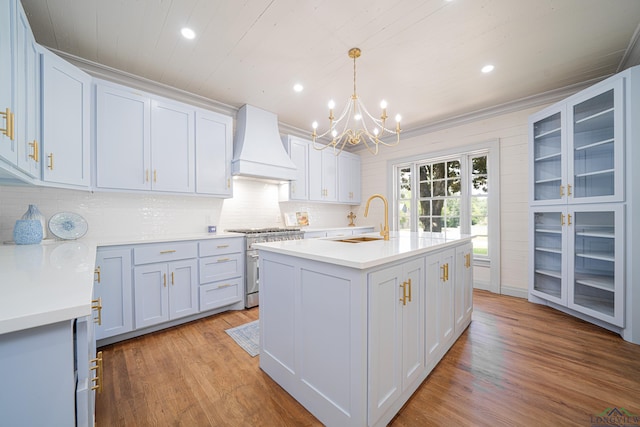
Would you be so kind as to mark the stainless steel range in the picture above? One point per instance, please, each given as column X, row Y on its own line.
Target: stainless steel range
column 252, row 273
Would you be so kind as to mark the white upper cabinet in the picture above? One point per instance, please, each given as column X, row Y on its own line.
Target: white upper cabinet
column 298, row 150
column 123, row 139
column 7, row 76
column 577, row 148
column 145, row 142
column 172, row 147
column 66, row 111
column 349, row 178
column 323, row 175
column 27, row 122
column 214, row 149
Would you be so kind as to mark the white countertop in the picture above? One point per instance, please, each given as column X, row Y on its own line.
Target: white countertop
column 366, row 254
column 53, row 281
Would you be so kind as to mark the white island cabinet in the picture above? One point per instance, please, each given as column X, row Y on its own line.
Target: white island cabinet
column 343, row 324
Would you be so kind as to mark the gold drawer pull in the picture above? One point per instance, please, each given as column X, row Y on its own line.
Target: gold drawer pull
column 170, row 251
column 10, row 123
column 226, row 285
column 97, row 380
column 96, row 304
column 222, row 246
column 223, row 259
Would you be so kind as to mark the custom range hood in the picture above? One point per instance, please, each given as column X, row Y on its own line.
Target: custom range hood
column 257, row 149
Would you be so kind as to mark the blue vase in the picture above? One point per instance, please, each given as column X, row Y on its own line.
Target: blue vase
column 27, row 232
column 34, row 213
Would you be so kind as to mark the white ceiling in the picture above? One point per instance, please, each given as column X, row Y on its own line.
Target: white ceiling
column 422, row 56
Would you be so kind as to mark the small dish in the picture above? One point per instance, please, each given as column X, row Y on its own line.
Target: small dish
column 68, row 225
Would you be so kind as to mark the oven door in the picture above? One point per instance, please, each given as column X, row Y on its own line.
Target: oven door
column 253, row 279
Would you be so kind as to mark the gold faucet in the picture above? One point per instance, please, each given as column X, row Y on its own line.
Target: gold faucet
column 384, row 231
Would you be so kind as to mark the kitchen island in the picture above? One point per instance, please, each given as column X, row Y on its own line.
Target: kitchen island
column 350, row 327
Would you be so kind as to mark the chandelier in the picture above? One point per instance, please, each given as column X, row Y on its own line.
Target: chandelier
column 356, row 125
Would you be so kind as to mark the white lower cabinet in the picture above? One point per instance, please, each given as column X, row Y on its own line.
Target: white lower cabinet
column 396, row 333
column 113, row 287
column 578, row 259
column 62, row 357
column 440, row 305
column 463, row 287
column 164, row 292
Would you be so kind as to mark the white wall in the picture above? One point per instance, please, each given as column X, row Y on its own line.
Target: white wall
column 511, row 130
column 255, row 204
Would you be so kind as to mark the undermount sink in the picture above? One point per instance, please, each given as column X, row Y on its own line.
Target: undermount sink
column 358, row 239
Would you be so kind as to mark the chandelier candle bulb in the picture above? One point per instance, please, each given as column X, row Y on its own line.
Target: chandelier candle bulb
column 355, row 124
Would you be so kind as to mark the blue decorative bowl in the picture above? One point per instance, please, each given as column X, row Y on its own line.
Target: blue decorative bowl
column 27, row 232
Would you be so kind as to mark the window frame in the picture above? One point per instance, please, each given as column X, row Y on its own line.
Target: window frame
column 464, row 153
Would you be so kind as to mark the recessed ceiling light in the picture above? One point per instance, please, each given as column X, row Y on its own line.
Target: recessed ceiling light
column 188, row 33
column 488, row 68
column 298, row 87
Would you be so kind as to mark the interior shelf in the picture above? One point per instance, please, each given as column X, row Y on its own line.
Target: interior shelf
column 600, row 172
column 549, row 230
column 595, row 144
column 602, row 256
column 547, row 133
column 601, row 233
column 551, row 273
column 596, row 304
column 544, row 181
column 596, row 281
column 548, row 157
column 597, row 117
column 550, row 250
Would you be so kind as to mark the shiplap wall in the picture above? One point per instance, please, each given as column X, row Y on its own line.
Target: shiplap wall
column 511, row 131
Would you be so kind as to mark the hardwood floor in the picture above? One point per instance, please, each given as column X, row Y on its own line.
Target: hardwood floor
column 518, row 364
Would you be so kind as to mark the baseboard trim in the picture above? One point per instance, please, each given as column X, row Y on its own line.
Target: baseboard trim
column 514, row 292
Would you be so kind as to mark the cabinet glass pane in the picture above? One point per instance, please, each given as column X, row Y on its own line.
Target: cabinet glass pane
column 593, row 146
column 595, row 261
column 548, row 253
column 547, row 148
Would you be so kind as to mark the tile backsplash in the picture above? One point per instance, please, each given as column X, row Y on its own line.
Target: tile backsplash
column 255, row 204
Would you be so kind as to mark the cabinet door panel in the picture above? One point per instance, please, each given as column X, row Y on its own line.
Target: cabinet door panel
column 183, row 289
column 172, row 157
column 299, row 153
column 214, row 148
column 66, row 122
column 548, row 238
column 151, row 295
column 114, row 289
column 7, row 75
column 463, row 286
column 123, row 150
column 413, row 323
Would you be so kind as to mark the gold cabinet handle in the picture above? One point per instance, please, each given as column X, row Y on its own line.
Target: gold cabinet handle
column 34, row 155
column 404, row 293
column 155, row 175
column 444, row 276
column 146, row 175
column 569, row 219
column 172, row 279
column 170, row 251
column 164, row 280
column 562, row 191
column 9, row 127
column 568, row 189
column 467, row 260
column 50, row 165
column 226, row 285
column 222, row 246
column 228, row 182
column 561, row 219
column 96, row 274
column 96, row 304
column 409, row 283
column 97, row 379
column 223, row 259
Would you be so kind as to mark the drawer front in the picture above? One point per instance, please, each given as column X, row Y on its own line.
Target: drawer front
column 219, row 294
column 162, row 252
column 221, row 267
column 221, row 246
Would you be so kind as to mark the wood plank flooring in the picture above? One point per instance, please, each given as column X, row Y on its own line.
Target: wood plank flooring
column 518, row 364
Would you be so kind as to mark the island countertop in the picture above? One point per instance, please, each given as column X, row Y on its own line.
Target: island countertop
column 365, row 254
